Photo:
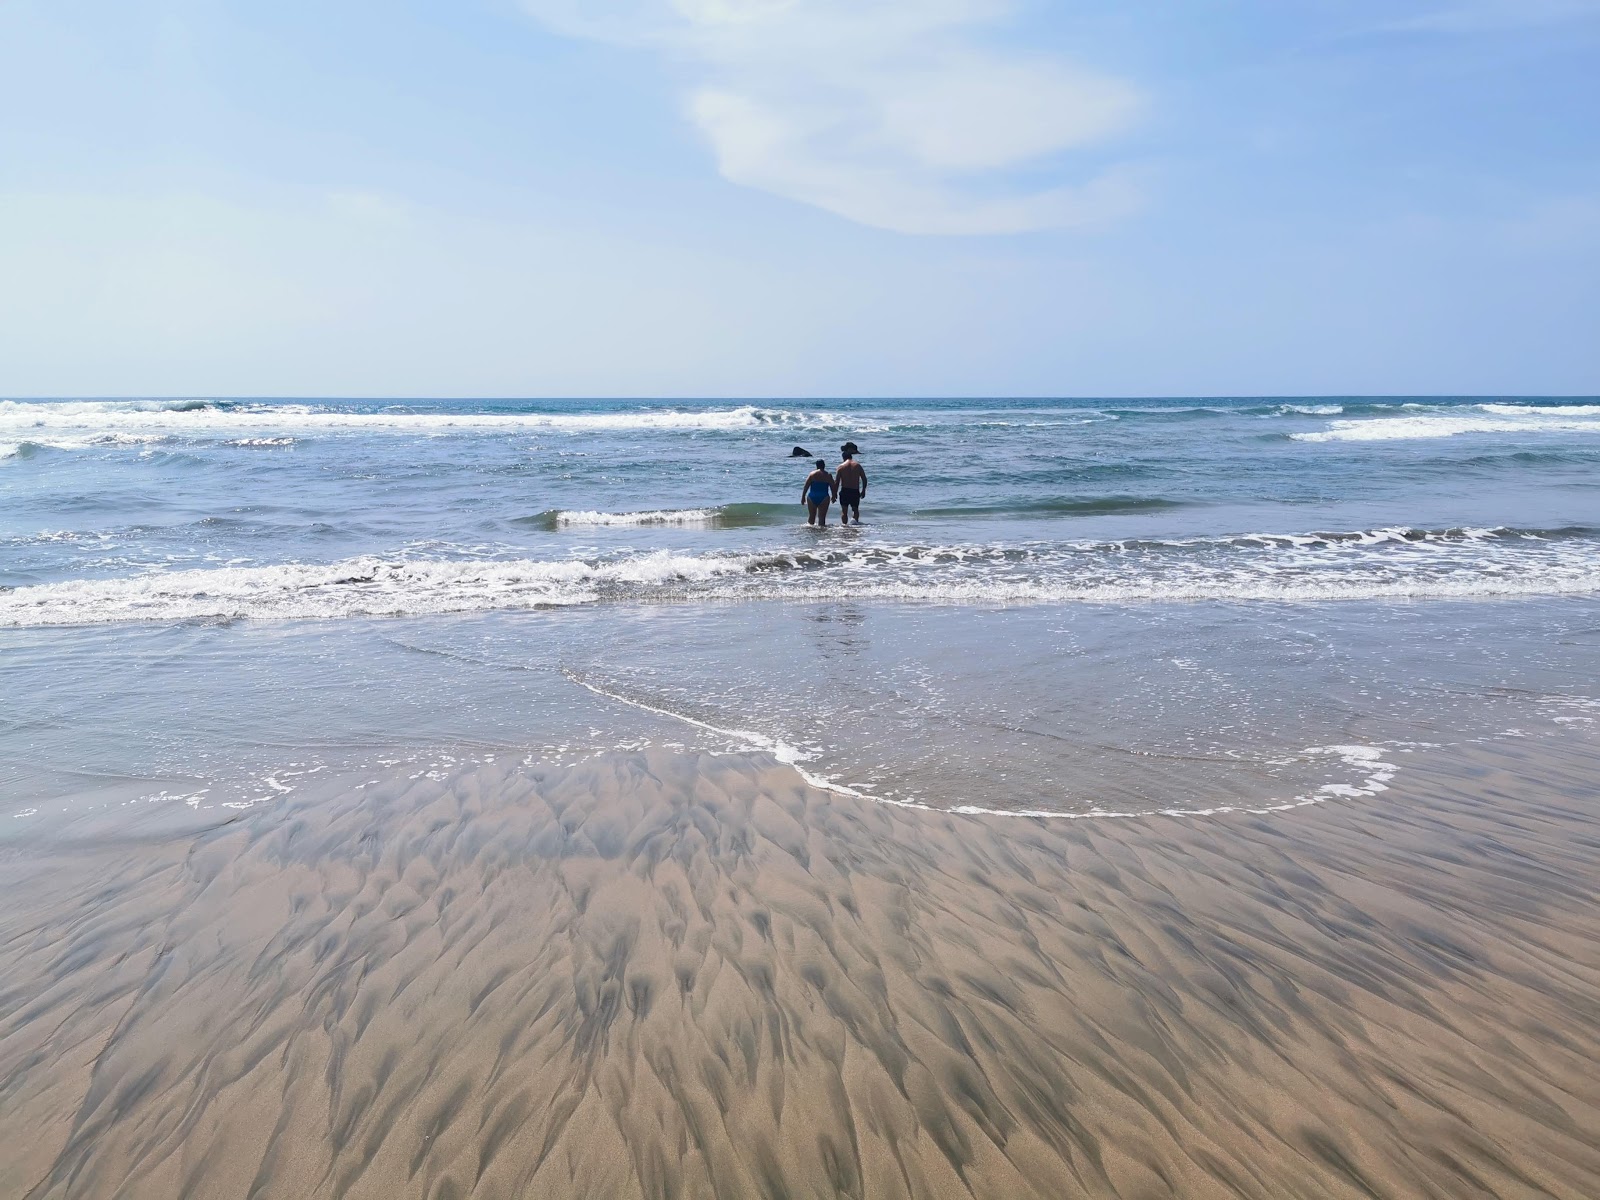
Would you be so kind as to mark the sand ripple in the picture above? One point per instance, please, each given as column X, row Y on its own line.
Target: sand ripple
column 666, row 975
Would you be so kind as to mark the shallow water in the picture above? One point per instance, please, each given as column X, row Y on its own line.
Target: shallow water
column 1076, row 607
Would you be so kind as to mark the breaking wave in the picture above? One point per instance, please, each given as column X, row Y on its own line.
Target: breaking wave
column 1397, row 563
column 84, row 422
column 89, row 424
column 722, row 516
column 1412, row 421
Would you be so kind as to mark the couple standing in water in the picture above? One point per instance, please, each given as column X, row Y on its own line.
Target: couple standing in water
column 847, row 485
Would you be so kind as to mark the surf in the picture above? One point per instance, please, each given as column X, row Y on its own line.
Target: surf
column 725, row 516
column 1392, row 563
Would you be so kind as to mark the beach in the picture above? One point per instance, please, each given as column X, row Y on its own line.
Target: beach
column 800, row 600
column 676, row 974
column 1178, row 798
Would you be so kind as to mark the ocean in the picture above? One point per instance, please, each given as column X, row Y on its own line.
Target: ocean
column 1075, row 608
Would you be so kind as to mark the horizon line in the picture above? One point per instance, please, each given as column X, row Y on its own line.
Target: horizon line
column 689, row 398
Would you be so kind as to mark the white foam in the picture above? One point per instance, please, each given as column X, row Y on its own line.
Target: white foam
column 84, row 441
column 1547, row 410
column 93, row 421
column 675, row 516
column 1579, row 710
column 1492, row 418
column 751, row 739
column 1382, row 565
column 353, row 587
column 1379, row 773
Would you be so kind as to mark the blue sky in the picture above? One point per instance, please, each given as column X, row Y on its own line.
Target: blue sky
column 799, row 197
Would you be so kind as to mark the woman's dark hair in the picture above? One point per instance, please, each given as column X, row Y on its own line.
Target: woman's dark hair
column 822, row 464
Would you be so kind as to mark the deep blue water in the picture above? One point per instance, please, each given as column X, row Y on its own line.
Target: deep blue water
column 1050, row 603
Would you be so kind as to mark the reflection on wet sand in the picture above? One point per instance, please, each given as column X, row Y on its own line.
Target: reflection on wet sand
column 664, row 975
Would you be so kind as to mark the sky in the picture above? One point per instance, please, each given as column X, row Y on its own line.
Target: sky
column 796, row 198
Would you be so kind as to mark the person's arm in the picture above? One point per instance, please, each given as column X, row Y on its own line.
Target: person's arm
column 862, row 475
column 833, row 487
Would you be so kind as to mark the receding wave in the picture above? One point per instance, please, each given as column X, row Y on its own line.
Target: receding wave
column 1395, row 564
column 726, row 516
column 366, row 586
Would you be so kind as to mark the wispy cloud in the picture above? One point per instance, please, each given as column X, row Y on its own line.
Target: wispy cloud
column 886, row 112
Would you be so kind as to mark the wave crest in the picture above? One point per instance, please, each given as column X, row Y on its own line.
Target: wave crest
column 1453, row 421
column 1282, row 568
column 213, row 419
column 722, row 516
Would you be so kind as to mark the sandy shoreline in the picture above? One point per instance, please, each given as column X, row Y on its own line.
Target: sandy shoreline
column 662, row 975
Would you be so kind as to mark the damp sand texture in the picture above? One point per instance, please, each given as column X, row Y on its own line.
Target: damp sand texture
column 668, row 975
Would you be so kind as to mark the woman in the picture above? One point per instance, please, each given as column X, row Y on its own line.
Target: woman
column 817, row 493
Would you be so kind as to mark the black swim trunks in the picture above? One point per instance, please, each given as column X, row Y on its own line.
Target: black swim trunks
column 850, row 497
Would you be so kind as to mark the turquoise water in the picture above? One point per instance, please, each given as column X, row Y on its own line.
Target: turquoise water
column 1050, row 603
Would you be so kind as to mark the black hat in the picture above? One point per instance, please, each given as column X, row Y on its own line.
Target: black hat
column 849, row 448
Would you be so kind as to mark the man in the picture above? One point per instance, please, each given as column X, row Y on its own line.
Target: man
column 851, row 479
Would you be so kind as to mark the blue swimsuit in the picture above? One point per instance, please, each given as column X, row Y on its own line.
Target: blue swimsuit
column 819, row 492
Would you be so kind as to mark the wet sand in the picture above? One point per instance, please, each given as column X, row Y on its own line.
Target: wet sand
column 662, row 975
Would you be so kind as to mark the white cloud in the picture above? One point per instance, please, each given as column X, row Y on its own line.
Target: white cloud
column 886, row 112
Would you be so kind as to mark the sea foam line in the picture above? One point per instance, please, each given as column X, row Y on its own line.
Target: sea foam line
column 1369, row 758
column 790, row 756
column 1274, row 568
